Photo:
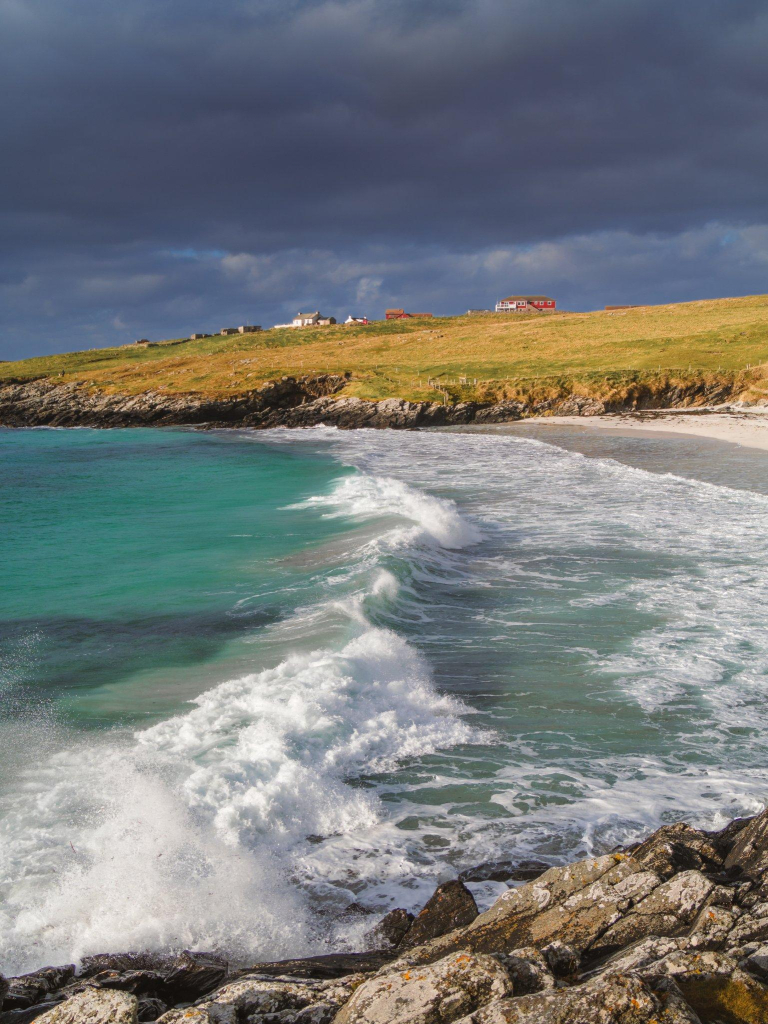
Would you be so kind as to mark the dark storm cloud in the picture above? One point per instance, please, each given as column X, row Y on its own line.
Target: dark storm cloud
column 171, row 161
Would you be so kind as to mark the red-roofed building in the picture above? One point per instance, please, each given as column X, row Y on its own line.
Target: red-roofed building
column 525, row 304
column 400, row 314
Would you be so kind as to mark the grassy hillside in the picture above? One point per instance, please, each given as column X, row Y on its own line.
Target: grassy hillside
column 498, row 354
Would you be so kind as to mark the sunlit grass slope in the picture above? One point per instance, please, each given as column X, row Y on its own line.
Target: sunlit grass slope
column 496, row 354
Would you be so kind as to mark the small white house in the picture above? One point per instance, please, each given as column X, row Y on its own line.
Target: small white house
column 357, row 320
column 315, row 319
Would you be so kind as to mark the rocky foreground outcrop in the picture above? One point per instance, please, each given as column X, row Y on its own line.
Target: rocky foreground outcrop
column 671, row 931
column 307, row 402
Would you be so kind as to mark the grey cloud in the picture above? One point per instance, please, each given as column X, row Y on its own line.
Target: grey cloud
column 279, row 129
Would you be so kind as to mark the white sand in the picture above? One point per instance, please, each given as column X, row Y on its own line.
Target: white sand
column 747, row 428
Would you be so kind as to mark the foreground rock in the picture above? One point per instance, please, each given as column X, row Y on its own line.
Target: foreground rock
column 451, row 906
column 332, row 965
column 28, row 989
column 437, row 994
column 673, row 930
column 616, row 999
column 94, row 1006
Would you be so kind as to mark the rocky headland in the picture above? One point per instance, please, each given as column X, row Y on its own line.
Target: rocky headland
column 311, row 401
column 671, row 931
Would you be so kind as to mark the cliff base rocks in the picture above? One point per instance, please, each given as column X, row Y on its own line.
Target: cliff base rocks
column 311, row 401
column 671, row 931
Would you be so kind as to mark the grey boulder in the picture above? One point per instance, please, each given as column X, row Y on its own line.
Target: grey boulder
column 28, row 989
column 609, row 999
column 94, row 1006
column 434, row 994
column 259, row 998
column 748, row 857
column 668, row 910
column 575, row 905
column 451, row 906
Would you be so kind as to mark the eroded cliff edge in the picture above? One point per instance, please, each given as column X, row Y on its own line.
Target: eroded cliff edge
column 310, row 401
column 671, row 931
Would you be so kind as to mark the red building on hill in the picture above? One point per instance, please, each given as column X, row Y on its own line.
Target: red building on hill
column 400, row 314
column 523, row 303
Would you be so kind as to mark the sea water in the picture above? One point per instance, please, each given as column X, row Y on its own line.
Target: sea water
column 259, row 687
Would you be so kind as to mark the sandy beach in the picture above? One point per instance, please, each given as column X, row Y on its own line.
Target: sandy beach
column 748, row 428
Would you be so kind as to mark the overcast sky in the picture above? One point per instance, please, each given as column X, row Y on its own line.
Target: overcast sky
column 179, row 165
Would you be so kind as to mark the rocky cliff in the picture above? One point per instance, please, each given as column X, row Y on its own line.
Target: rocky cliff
column 671, row 931
column 309, row 401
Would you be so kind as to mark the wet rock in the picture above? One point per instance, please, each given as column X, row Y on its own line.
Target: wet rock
column 174, row 979
column 192, row 975
column 451, row 906
column 139, row 983
column 505, row 871
column 563, row 960
column 390, row 931
column 28, row 989
column 749, row 854
column 609, row 999
column 94, row 1006
column 527, row 969
column 151, row 1008
column 680, row 847
column 28, row 1015
column 668, row 910
column 435, row 994
column 715, row 987
column 118, row 963
column 332, row 965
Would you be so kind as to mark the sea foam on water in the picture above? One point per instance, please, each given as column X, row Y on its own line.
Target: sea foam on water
column 193, row 833
column 603, row 624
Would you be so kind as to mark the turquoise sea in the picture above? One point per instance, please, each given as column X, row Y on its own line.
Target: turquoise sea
column 253, row 684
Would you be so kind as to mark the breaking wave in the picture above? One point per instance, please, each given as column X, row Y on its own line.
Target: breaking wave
column 196, row 832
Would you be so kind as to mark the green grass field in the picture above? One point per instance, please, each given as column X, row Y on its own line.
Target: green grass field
column 483, row 357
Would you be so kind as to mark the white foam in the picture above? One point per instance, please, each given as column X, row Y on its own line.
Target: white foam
column 187, row 836
column 438, row 520
column 194, row 833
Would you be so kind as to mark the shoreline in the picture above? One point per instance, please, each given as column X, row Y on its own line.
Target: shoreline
column 321, row 400
column 747, row 429
column 671, row 930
